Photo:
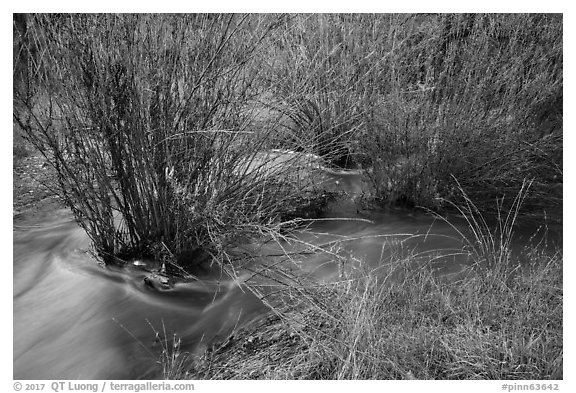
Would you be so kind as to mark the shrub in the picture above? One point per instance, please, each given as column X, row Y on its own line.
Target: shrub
column 146, row 119
column 421, row 99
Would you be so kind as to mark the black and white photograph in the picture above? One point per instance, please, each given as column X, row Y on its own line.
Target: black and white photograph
column 287, row 196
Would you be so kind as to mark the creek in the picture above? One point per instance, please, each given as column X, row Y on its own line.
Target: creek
column 75, row 319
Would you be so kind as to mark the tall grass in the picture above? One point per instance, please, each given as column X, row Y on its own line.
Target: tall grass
column 152, row 120
column 421, row 99
column 322, row 77
column 489, row 246
column 160, row 128
column 486, row 322
column 421, row 327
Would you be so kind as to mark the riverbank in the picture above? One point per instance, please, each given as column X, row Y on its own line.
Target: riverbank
column 499, row 316
column 411, row 323
column 503, row 324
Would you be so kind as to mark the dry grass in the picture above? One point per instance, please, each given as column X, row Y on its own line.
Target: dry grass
column 498, row 318
column 151, row 121
column 421, row 99
column 150, row 117
column 422, row 327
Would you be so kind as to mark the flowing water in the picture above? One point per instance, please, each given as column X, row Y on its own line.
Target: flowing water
column 74, row 319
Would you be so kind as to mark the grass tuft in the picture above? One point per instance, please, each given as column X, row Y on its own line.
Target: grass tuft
column 498, row 318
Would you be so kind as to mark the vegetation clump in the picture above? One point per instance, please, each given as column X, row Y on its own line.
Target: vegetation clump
column 180, row 137
column 148, row 120
column 507, row 326
column 500, row 317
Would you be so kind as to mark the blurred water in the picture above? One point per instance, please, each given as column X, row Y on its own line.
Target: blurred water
column 74, row 319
